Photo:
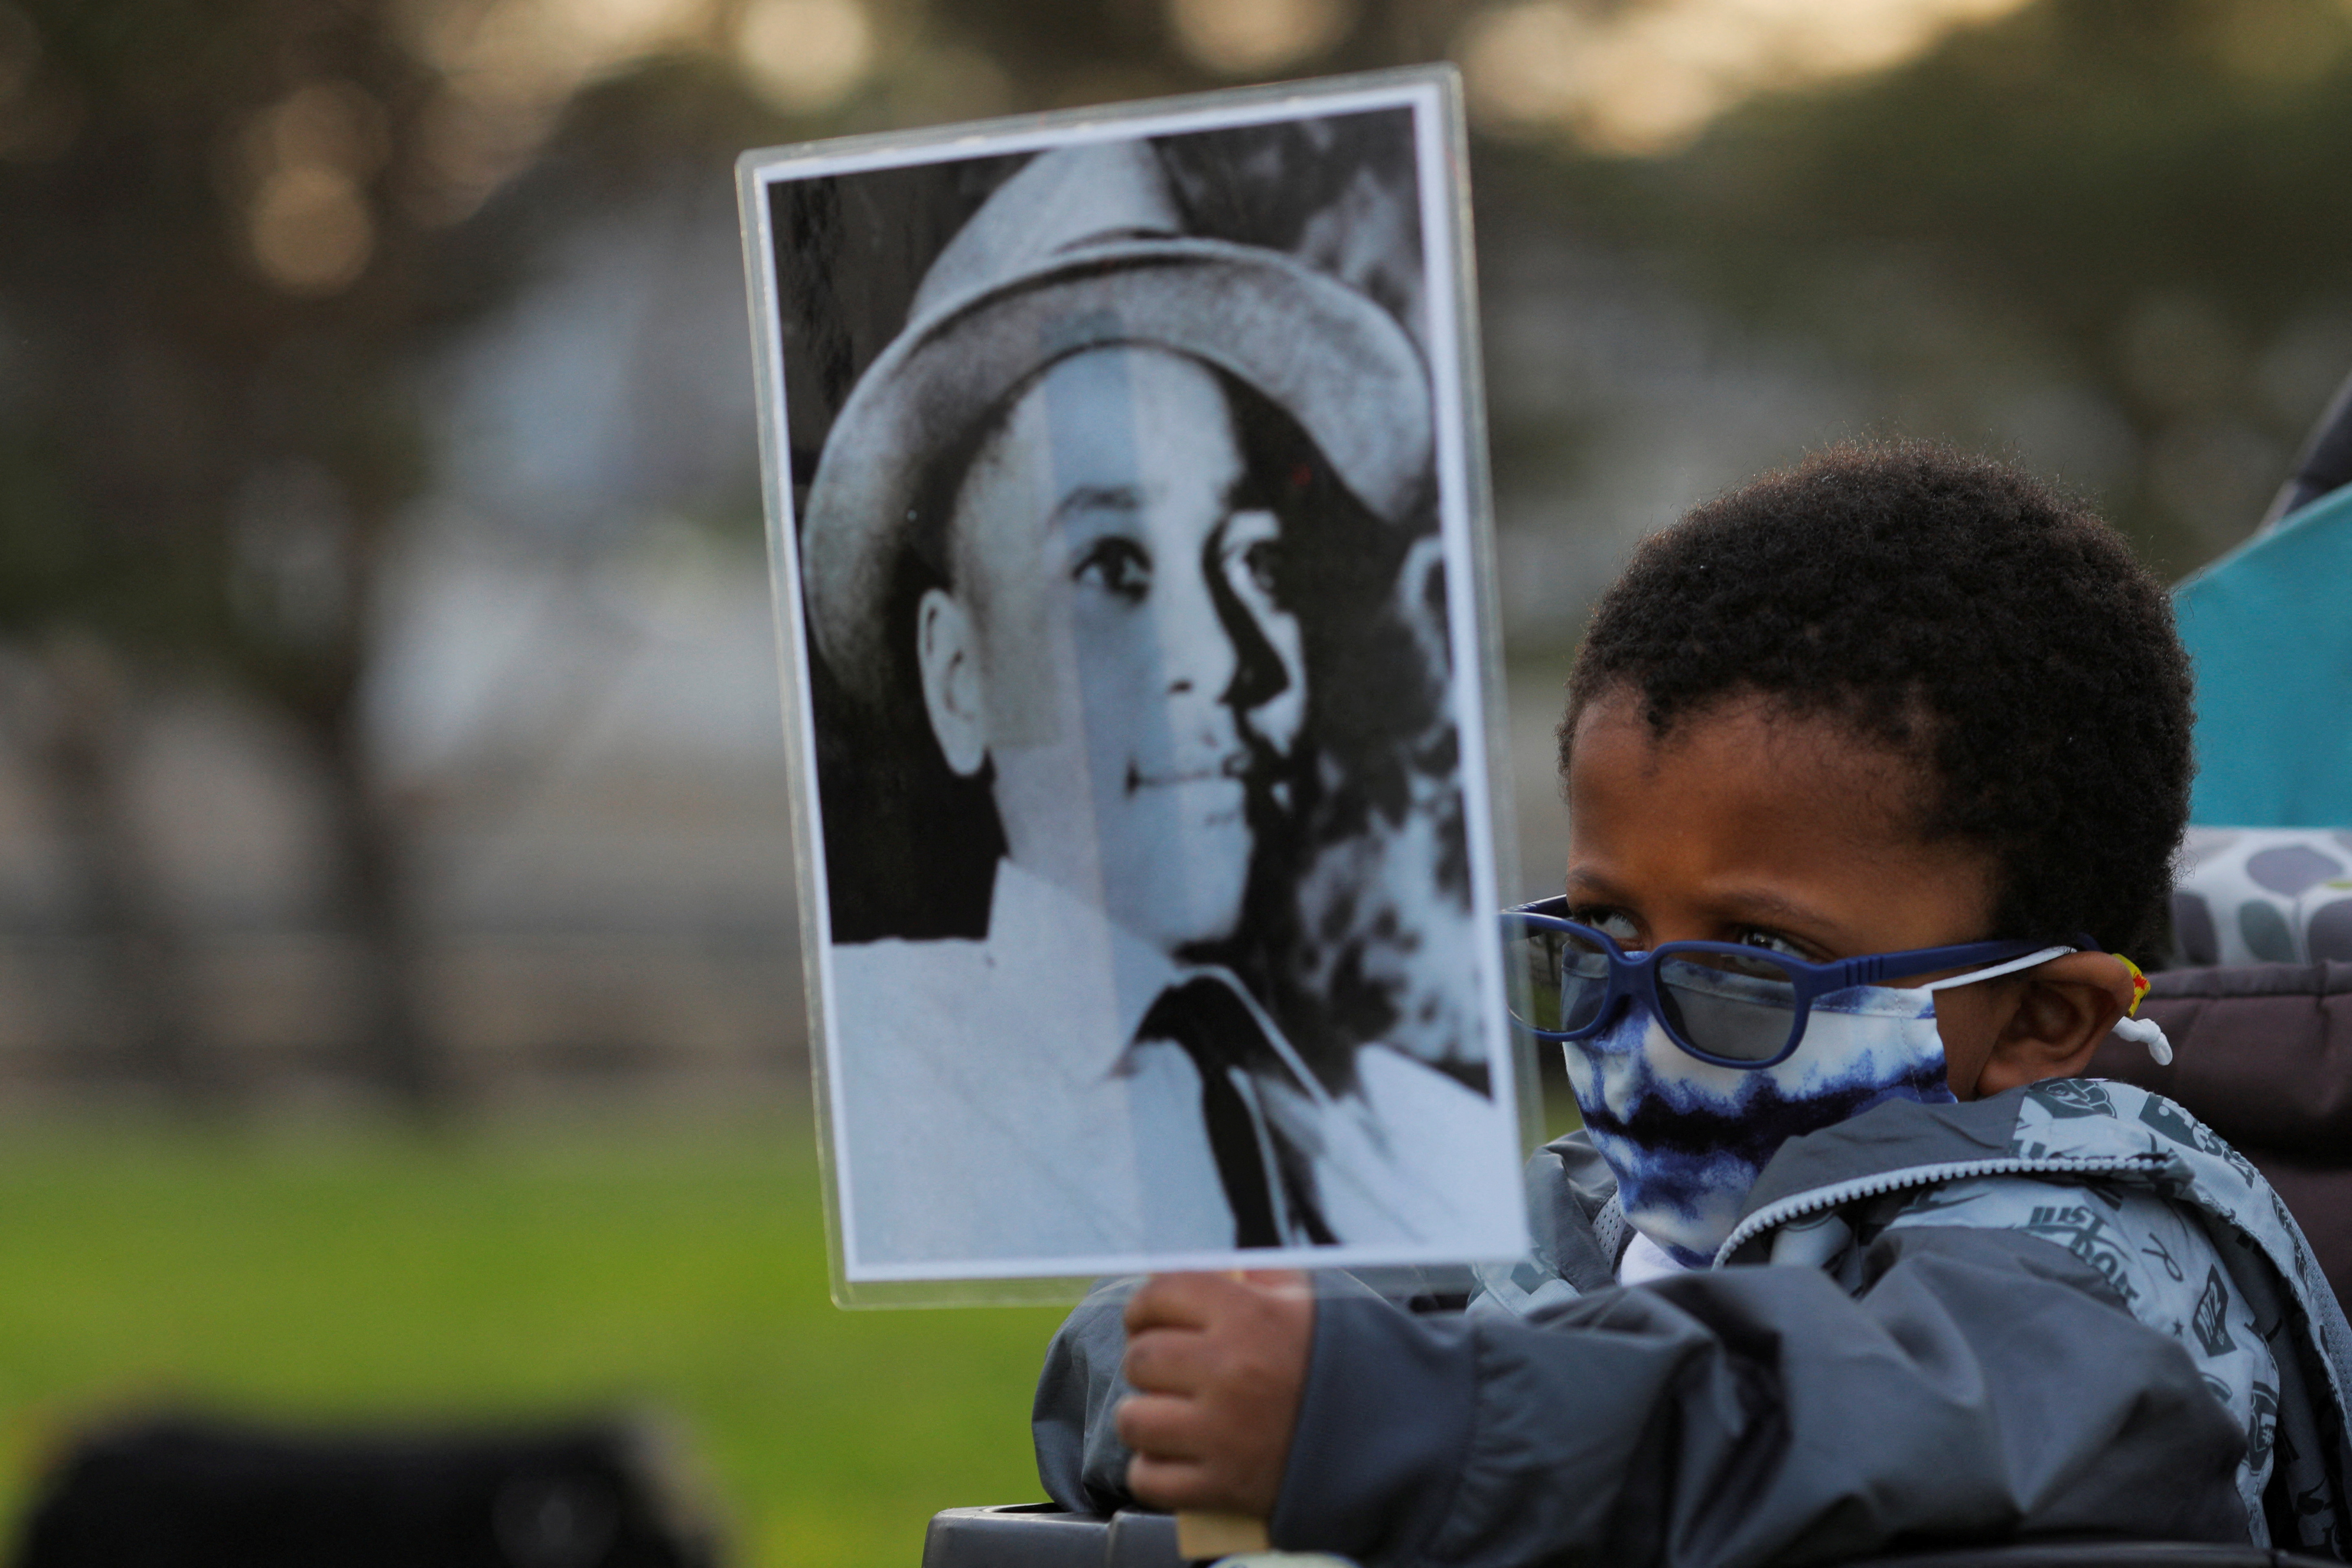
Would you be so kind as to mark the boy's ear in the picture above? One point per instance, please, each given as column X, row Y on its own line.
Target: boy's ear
column 2064, row 1009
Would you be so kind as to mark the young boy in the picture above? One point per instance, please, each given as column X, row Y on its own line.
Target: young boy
column 1908, row 1281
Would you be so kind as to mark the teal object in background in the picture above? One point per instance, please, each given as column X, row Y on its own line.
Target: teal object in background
column 2269, row 626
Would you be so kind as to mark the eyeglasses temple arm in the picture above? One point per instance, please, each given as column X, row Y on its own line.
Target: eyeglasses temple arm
column 1993, row 972
column 1871, row 970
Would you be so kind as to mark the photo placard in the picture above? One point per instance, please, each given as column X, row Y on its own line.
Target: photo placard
column 1128, row 530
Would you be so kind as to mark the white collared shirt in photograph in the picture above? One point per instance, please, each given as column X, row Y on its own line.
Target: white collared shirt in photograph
column 1000, row 1107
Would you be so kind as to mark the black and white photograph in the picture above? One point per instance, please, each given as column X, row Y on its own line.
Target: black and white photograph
column 1126, row 562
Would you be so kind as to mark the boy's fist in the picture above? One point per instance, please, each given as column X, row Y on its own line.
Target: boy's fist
column 1219, row 1363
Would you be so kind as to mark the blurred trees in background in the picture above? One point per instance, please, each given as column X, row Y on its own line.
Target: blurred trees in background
column 232, row 234
column 2121, row 218
column 225, row 243
column 238, row 237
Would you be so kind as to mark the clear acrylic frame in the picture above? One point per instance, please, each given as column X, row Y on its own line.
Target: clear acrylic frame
column 1446, row 332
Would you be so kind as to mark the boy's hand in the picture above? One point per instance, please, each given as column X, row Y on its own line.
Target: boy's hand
column 1220, row 1362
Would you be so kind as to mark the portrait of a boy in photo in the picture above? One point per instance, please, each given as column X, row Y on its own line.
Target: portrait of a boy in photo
column 1147, row 845
column 1875, row 770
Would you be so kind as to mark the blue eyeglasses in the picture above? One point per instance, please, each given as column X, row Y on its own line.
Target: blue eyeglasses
column 1732, row 1005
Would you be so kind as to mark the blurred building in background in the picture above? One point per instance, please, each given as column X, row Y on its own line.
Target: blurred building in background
column 388, row 700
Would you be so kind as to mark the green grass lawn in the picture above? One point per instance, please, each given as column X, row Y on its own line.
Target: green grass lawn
column 501, row 1273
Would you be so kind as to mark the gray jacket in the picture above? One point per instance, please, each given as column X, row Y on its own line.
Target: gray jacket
column 1934, row 1324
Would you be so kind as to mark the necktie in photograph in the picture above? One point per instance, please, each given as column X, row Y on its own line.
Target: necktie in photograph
column 1206, row 1017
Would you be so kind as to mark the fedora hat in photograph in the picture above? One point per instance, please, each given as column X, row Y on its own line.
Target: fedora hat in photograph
column 1081, row 249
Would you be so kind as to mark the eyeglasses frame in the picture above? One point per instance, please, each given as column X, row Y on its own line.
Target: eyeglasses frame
column 1632, row 975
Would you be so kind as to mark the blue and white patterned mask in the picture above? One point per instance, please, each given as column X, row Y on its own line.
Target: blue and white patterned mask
column 1687, row 1140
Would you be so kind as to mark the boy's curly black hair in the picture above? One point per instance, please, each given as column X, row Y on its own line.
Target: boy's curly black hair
column 1953, row 608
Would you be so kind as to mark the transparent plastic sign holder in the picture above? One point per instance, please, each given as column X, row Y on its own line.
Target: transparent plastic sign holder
column 1129, row 533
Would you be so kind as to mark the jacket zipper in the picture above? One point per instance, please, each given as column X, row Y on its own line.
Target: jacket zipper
column 1800, row 1204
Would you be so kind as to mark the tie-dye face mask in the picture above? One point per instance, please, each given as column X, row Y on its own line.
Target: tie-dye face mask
column 1687, row 1139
